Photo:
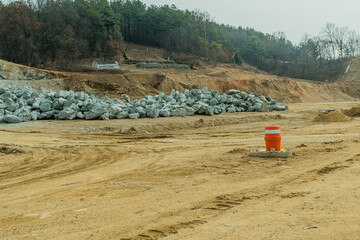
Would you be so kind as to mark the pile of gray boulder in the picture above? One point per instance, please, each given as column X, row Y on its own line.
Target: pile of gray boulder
column 21, row 104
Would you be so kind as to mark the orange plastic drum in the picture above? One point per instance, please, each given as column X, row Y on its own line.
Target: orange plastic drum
column 272, row 138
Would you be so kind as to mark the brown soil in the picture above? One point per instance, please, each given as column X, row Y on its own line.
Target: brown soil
column 335, row 116
column 181, row 178
column 138, row 51
column 353, row 112
column 137, row 83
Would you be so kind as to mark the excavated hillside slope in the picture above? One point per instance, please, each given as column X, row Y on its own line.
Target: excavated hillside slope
column 13, row 71
column 139, row 82
column 19, row 74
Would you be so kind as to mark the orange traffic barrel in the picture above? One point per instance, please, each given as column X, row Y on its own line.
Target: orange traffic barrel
column 272, row 138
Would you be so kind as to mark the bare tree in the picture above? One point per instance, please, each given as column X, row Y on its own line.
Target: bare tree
column 329, row 35
column 340, row 36
column 203, row 18
column 352, row 43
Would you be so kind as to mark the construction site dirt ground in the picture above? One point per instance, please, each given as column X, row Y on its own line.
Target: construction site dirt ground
column 181, row 178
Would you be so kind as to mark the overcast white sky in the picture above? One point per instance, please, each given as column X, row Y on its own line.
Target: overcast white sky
column 293, row 17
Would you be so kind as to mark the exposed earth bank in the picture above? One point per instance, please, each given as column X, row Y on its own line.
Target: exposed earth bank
column 139, row 82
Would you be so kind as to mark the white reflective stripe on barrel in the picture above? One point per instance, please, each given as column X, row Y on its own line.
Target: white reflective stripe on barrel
column 272, row 131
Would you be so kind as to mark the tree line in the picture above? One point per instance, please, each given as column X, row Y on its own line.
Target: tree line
column 63, row 31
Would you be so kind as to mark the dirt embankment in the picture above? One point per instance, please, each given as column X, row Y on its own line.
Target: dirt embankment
column 13, row 71
column 137, row 83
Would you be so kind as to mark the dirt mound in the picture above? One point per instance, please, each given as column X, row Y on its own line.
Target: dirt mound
column 335, row 116
column 353, row 112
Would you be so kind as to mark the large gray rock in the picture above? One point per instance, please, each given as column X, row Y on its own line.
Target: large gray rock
column 141, row 111
column 11, row 105
column 21, row 102
column 125, row 98
column 24, row 114
column 67, row 114
column 233, row 92
column 154, row 113
column 95, row 112
column 2, row 104
column 231, row 110
column 122, row 115
column 280, row 107
column 80, row 115
column 58, row 103
column 180, row 112
column 45, row 105
column 81, row 96
column 69, row 102
column 213, row 102
column 105, row 116
column 114, row 110
column 11, row 119
column 61, row 94
column 35, row 115
column 46, row 115
column 134, row 115
column 189, row 111
column 164, row 113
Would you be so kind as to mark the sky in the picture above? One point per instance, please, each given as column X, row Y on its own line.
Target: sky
column 293, row 17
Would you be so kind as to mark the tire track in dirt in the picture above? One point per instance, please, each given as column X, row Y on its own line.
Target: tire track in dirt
column 213, row 208
column 58, row 162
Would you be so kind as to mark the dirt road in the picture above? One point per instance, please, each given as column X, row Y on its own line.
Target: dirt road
column 181, row 178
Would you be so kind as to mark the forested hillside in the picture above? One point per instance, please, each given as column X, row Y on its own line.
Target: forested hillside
column 64, row 31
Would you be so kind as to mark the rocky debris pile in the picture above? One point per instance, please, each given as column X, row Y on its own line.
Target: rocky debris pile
column 21, row 104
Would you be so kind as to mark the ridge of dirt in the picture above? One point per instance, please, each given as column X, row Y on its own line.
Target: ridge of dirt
column 7, row 67
column 353, row 112
column 335, row 116
column 137, row 83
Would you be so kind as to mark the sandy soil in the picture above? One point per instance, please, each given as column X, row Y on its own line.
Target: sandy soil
column 139, row 82
column 181, row 178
